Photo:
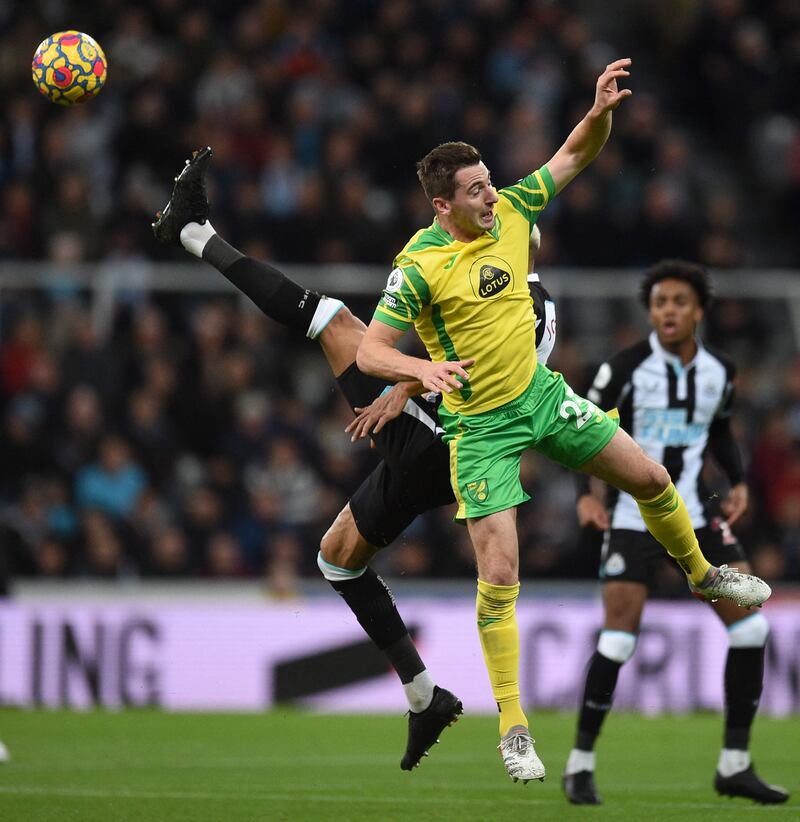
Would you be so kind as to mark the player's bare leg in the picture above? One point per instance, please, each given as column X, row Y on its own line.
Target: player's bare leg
column 623, row 464
column 340, row 339
column 343, row 559
column 343, row 545
column 494, row 539
column 744, row 671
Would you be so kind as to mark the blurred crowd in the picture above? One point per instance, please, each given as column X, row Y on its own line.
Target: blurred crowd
column 318, row 110
column 193, row 436
column 201, row 439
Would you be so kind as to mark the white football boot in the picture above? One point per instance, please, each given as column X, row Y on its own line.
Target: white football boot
column 519, row 756
column 728, row 583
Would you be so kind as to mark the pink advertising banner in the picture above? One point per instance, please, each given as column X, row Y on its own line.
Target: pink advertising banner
column 246, row 657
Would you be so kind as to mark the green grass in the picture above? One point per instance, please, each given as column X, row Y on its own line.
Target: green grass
column 291, row 765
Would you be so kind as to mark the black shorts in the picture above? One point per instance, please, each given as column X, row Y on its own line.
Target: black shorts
column 414, row 474
column 634, row 556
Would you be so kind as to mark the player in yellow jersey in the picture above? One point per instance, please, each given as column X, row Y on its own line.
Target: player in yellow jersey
column 462, row 283
column 414, row 473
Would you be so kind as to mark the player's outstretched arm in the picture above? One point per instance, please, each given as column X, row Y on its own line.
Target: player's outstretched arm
column 378, row 355
column 590, row 135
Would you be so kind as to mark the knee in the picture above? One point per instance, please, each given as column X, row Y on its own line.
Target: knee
column 506, row 577
column 499, row 570
column 335, row 563
column 335, row 551
column 343, row 547
column 655, row 481
column 337, row 573
column 617, row 646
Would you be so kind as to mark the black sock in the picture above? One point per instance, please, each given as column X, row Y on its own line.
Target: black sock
column 601, row 680
column 276, row 295
column 405, row 658
column 744, row 674
column 369, row 598
column 220, row 254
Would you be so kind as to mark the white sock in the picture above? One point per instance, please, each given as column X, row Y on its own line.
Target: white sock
column 732, row 761
column 325, row 312
column 579, row 761
column 419, row 692
column 195, row 236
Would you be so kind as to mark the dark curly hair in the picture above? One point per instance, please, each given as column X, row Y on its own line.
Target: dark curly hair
column 692, row 273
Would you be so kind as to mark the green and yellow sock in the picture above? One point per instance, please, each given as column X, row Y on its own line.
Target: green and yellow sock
column 499, row 635
column 668, row 521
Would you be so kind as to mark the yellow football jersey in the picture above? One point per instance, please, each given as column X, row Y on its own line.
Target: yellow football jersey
column 472, row 299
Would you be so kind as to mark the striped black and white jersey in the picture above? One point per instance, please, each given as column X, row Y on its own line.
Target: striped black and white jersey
column 545, row 310
column 669, row 409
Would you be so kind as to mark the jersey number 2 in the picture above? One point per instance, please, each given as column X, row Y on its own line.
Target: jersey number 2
column 571, row 408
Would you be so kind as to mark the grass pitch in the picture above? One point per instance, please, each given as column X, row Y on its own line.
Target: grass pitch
column 291, row 765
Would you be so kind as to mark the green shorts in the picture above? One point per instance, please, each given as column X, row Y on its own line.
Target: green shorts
column 485, row 449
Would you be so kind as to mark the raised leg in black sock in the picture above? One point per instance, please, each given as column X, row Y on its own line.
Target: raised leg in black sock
column 274, row 293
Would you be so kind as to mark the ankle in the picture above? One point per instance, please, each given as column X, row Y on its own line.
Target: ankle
column 194, row 237
column 579, row 761
column 419, row 692
column 733, row 761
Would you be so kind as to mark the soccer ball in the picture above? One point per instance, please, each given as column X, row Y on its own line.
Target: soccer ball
column 69, row 67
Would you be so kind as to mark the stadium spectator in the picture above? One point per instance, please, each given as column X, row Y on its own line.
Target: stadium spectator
column 167, row 555
column 283, row 565
column 223, row 556
column 86, row 360
column 52, row 559
column 113, row 483
column 25, row 447
column 19, row 352
column 103, row 552
column 79, row 430
column 203, row 516
column 24, row 525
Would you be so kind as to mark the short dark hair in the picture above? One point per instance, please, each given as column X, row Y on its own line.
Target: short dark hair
column 437, row 169
column 692, row 273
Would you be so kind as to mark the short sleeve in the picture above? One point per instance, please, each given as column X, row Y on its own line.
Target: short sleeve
column 531, row 194
column 403, row 298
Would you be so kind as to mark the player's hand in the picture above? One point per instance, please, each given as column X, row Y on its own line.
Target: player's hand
column 591, row 511
column 383, row 409
column 607, row 95
column 443, row 376
column 735, row 504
